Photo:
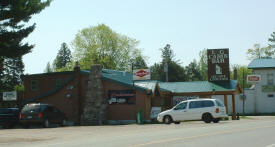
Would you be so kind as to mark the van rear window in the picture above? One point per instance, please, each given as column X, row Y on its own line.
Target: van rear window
column 201, row 104
column 31, row 107
column 219, row 103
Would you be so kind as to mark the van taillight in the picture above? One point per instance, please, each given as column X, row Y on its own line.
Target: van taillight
column 40, row 114
column 217, row 110
column 20, row 115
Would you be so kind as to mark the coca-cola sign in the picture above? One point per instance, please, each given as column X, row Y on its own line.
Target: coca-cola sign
column 253, row 78
column 141, row 74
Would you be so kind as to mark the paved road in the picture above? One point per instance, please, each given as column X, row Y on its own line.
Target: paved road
column 256, row 132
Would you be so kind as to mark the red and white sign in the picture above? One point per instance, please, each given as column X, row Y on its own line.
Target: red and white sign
column 253, row 78
column 142, row 74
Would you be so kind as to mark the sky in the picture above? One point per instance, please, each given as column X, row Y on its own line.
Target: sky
column 188, row 26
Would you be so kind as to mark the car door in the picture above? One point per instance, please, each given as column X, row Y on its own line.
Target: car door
column 194, row 110
column 179, row 112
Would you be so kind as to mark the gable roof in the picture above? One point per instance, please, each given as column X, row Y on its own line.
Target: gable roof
column 262, row 63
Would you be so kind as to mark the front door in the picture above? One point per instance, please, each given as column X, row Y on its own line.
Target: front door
column 179, row 112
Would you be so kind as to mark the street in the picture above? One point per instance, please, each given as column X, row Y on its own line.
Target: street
column 252, row 131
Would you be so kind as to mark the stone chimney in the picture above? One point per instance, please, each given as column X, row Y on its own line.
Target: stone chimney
column 95, row 104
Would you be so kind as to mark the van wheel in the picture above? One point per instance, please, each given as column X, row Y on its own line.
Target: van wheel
column 216, row 120
column 46, row 123
column 207, row 117
column 167, row 119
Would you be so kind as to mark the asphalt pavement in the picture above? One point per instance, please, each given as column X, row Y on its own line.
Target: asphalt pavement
column 251, row 132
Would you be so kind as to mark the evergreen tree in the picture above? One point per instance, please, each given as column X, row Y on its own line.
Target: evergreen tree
column 272, row 40
column 63, row 57
column 176, row 72
column 139, row 63
column 13, row 19
column 48, row 68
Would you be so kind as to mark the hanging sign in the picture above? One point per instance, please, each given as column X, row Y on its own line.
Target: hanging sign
column 254, row 78
column 218, row 65
column 9, row 96
column 142, row 74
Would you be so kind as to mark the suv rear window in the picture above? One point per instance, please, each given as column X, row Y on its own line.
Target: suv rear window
column 201, row 104
column 29, row 107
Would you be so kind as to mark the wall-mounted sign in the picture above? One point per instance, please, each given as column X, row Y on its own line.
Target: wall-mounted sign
column 178, row 99
column 254, row 78
column 218, row 65
column 142, row 74
column 10, row 96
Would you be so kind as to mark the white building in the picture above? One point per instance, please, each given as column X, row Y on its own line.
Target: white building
column 260, row 99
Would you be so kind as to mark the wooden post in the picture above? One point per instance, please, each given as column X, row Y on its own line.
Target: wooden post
column 226, row 104
column 233, row 108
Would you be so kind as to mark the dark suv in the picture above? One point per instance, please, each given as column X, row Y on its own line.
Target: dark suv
column 39, row 113
column 9, row 117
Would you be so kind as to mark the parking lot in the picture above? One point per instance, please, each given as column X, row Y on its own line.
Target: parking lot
column 145, row 135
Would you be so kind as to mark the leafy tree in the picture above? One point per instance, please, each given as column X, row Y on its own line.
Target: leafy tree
column 175, row 70
column 260, row 52
column 48, row 68
column 101, row 45
column 15, row 14
column 193, row 71
column 63, row 58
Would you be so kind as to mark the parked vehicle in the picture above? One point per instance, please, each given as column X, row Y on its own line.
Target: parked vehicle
column 39, row 113
column 9, row 117
column 207, row 110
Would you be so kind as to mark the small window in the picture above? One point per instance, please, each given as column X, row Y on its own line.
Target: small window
column 269, row 79
column 181, row 106
column 270, row 95
column 34, row 85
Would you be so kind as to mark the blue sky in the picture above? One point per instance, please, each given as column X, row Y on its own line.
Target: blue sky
column 188, row 26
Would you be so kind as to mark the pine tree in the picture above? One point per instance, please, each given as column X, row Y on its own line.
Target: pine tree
column 63, row 57
column 48, row 68
column 13, row 19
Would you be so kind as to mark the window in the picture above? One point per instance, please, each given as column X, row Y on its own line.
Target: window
column 207, row 103
column 270, row 95
column 122, row 96
column 201, row 104
column 181, row 106
column 195, row 104
column 269, row 79
column 219, row 103
column 34, row 85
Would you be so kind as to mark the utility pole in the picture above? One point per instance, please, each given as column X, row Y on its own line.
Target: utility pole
column 166, row 62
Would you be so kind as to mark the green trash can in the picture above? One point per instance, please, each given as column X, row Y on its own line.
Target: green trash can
column 139, row 117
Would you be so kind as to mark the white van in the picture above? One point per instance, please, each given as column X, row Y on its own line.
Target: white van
column 207, row 110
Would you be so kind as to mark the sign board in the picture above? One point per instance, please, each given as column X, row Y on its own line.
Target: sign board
column 218, row 65
column 10, row 96
column 254, row 78
column 122, row 97
column 154, row 112
column 178, row 99
column 142, row 74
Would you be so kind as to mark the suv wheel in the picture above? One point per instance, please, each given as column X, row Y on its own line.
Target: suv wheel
column 167, row 119
column 46, row 123
column 207, row 117
column 216, row 120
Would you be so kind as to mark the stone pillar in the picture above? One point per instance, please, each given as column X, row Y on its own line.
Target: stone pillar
column 95, row 104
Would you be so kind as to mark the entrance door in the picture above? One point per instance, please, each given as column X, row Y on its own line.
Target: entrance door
column 179, row 112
